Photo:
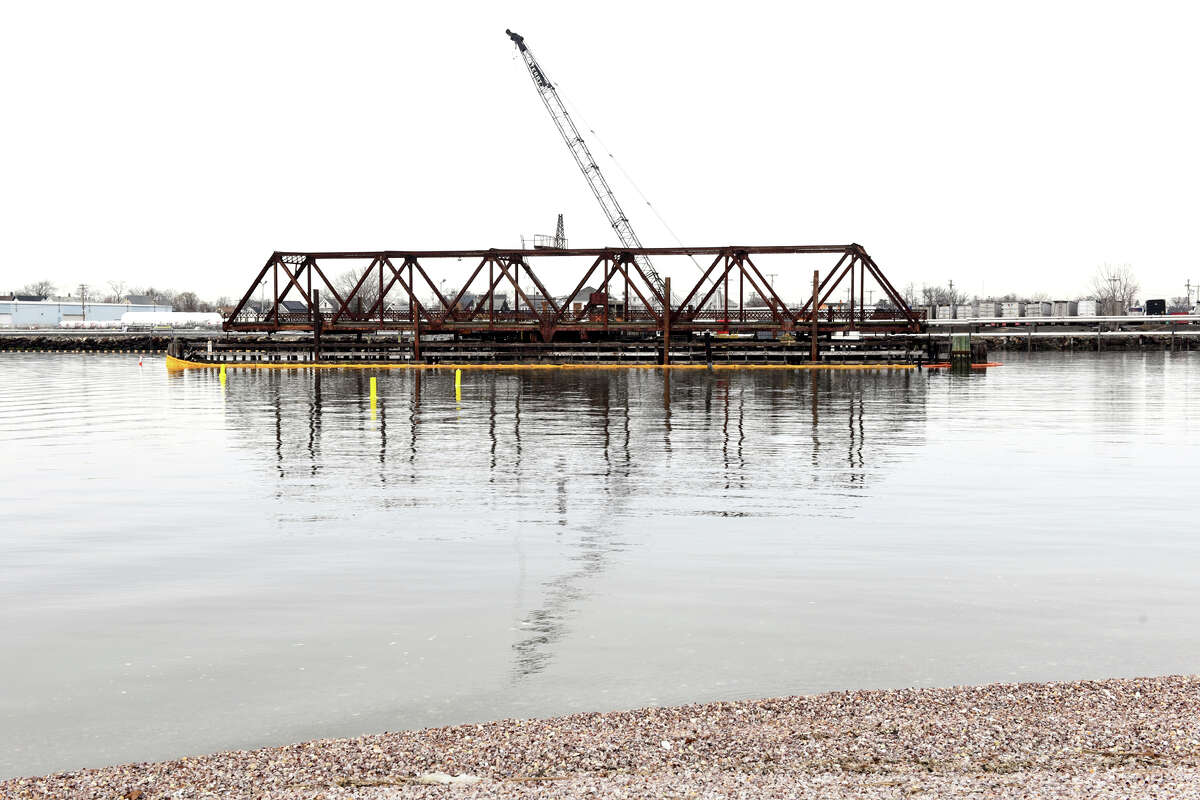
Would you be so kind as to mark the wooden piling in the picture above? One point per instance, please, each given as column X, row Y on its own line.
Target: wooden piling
column 416, row 328
column 814, row 354
column 316, row 318
column 666, row 359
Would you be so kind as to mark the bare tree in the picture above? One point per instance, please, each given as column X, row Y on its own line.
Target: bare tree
column 155, row 295
column 117, row 291
column 364, row 299
column 942, row 296
column 954, row 297
column 186, row 301
column 38, row 288
column 1115, row 283
column 162, row 297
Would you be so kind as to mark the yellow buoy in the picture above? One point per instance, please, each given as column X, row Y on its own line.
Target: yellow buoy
column 222, row 375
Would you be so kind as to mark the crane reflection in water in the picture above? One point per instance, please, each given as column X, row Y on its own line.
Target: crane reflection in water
column 572, row 451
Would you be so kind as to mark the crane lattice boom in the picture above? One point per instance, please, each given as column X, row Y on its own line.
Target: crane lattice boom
column 584, row 160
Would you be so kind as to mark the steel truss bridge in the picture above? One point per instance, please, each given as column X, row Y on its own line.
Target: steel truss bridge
column 403, row 290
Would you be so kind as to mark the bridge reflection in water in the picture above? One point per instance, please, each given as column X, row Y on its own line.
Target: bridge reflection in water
column 590, row 455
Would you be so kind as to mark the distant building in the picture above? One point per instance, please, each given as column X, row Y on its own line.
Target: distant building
column 582, row 296
column 1066, row 308
column 525, row 298
column 42, row 313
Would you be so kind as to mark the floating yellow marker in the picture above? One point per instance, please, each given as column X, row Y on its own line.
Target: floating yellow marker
column 374, row 394
column 222, row 373
column 458, row 385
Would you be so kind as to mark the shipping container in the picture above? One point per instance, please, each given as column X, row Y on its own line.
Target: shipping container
column 965, row 312
column 988, row 309
column 945, row 312
column 1066, row 308
column 1088, row 308
column 1038, row 309
column 1012, row 309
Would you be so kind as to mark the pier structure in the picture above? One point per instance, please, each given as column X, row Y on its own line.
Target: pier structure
column 613, row 300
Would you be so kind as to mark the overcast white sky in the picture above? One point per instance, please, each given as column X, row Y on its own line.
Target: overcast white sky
column 1010, row 147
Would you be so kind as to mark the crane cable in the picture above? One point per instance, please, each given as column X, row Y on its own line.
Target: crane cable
column 574, row 110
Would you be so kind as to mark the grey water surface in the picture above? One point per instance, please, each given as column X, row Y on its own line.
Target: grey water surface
column 187, row 566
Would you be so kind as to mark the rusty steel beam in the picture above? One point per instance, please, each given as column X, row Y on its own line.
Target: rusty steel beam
column 585, row 251
column 545, row 317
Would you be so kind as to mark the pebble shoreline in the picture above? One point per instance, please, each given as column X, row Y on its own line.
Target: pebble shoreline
column 1111, row 738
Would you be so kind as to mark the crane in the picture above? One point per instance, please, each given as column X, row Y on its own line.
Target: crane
column 583, row 158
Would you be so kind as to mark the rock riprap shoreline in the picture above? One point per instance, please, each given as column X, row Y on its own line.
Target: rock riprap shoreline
column 1111, row 738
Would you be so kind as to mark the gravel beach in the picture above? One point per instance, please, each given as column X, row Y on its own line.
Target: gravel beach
column 1112, row 738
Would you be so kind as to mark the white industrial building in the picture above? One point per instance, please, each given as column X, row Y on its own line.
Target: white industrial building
column 51, row 313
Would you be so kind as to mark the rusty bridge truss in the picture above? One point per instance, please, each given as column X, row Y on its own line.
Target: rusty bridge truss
column 398, row 290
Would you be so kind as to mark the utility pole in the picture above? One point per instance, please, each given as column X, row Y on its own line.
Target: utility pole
column 953, row 303
column 83, row 287
column 1188, row 286
column 771, row 276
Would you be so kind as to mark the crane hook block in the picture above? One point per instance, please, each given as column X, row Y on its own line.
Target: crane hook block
column 518, row 40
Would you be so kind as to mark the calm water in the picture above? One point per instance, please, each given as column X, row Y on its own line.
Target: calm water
column 186, row 567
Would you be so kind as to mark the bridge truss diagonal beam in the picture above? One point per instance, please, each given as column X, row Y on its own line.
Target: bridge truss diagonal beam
column 627, row 300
